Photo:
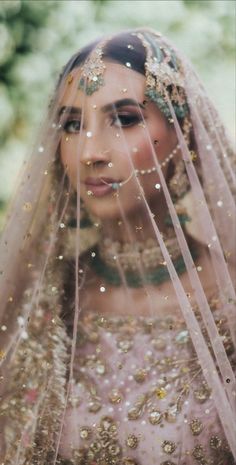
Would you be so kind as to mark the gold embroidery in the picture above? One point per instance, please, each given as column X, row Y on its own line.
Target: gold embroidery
column 168, row 447
column 202, row 393
column 132, row 441
column 196, row 426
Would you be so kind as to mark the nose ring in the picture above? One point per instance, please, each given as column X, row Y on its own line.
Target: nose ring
column 88, row 163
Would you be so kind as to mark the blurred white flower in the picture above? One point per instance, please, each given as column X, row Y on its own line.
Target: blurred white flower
column 6, row 44
column 11, row 161
column 71, row 18
column 48, row 39
column 12, row 6
column 199, row 36
column 31, row 69
column 7, row 111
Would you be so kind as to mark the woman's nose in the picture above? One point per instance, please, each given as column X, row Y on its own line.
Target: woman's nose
column 92, row 153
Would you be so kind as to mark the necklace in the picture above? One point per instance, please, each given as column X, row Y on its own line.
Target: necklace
column 141, row 263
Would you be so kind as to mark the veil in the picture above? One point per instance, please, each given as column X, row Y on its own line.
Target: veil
column 117, row 276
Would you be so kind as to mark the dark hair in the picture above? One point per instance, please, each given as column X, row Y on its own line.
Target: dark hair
column 122, row 48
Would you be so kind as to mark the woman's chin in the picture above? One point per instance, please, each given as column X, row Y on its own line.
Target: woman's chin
column 108, row 212
column 103, row 214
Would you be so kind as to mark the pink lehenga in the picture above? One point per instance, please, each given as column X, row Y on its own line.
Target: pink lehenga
column 118, row 351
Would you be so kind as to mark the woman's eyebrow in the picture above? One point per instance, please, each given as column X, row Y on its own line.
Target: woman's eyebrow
column 109, row 107
column 69, row 110
column 122, row 103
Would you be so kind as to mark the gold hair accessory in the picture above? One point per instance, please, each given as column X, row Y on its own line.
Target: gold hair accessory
column 179, row 183
column 93, row 71
column 164, row 76
column 69, row 78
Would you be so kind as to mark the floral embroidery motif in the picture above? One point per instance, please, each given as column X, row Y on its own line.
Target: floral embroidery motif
column 161, row 380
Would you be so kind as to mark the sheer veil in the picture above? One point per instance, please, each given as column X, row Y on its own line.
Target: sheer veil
column 57, row 237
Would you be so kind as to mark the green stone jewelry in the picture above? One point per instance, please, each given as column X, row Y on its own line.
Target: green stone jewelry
column 92, row 71
column 164, row 76
column 109, row 257
column 183, row 219
column 134, row 279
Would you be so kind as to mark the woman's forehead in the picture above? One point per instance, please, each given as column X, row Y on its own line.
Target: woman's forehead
column 119, row 82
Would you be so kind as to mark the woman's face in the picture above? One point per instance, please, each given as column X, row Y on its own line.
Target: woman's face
column 109, row 134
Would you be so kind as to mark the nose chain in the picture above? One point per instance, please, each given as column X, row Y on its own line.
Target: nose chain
column 117, row 185
column 162, row 164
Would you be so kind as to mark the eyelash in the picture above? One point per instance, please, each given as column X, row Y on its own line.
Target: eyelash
column 119, row 120
column 71, row 122
column 129, row 120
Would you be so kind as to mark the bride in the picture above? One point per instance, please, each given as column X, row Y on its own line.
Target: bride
column 118, row 270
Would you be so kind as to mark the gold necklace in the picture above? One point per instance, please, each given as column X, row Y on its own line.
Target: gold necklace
column 136, row 256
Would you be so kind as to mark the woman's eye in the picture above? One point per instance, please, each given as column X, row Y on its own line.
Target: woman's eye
column 125, row 120
column 71, row 126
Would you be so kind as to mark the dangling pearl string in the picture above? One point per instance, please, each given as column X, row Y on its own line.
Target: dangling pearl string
column 163, row 163
column 117, row 185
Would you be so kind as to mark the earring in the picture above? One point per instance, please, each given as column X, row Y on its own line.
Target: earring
column 179, row 186
column 179, row 183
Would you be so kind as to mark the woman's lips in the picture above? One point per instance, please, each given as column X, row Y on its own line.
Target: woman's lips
column 100, row 186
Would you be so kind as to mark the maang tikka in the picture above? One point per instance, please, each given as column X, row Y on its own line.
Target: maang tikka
column 93, row 70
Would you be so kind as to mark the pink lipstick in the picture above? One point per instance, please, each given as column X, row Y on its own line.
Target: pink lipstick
column 100, row 186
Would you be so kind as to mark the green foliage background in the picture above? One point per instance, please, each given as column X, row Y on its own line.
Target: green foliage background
column 38, row 36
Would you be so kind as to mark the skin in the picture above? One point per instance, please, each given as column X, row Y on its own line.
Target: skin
column 91, row 155
column 121, row 146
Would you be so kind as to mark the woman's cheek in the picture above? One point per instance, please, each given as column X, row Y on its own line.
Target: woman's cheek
column 144, row 155
column 63, row 152
column 68, row 157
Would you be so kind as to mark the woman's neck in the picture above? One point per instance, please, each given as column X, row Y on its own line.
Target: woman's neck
column 136, row 226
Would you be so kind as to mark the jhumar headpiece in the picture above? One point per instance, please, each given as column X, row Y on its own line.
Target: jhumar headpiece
column 163, row 77
column 163, row 74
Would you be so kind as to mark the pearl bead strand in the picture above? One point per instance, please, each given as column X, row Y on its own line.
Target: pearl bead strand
column 163, row 163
